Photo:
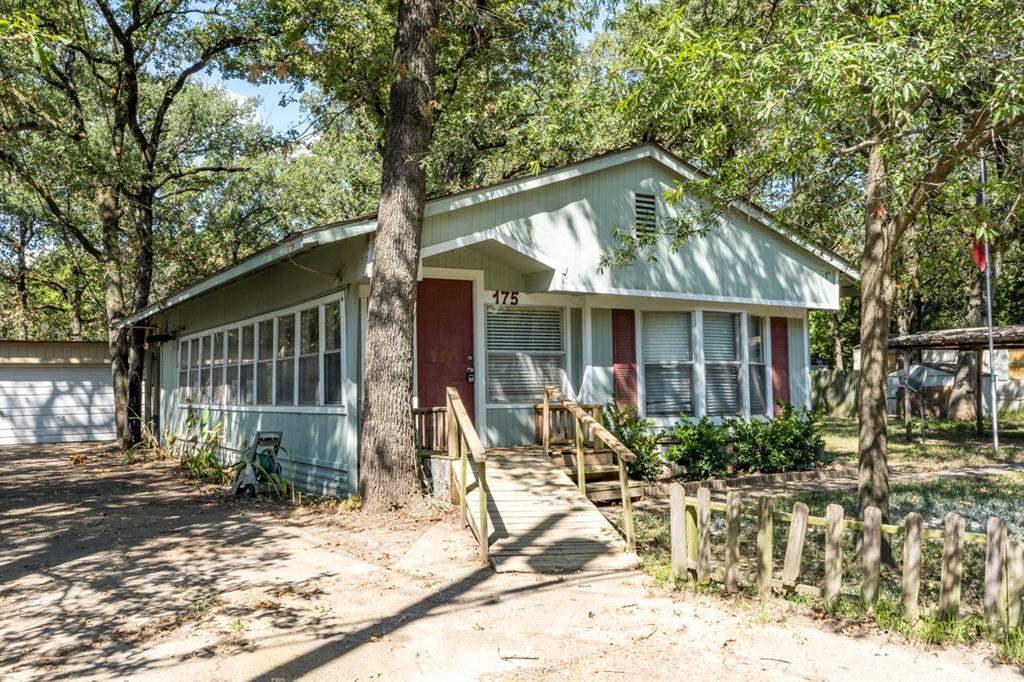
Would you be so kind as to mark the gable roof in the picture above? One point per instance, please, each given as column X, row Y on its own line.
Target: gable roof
column 303, row 241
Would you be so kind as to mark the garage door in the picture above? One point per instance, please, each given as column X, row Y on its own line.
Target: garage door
column 55, row 404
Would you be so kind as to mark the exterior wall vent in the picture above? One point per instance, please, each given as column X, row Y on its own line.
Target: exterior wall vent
column 645, row 209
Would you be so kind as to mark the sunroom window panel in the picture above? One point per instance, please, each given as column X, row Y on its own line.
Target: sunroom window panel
column 722, row 364
column 217, row 349
column 525, row 352
column 205, row 371
column 246, row 379
column 332, row 353
column 309, row 356
column 231, row 380
column 668, row 364
column 284, row 365
column 265, row 363
column 183, row 372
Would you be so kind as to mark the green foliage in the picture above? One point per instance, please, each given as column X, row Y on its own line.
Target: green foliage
column 700, row 447
column 639, row 436
column 197, row 448
column 710, row 449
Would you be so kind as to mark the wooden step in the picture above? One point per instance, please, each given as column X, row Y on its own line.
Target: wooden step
column 598, row 471
column 567, row 458
column 610, row 491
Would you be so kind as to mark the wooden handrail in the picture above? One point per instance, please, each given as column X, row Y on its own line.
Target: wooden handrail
column 597, row 432
column 463, row 441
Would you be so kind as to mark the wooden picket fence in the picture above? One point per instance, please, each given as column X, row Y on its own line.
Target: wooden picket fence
column 690, row 532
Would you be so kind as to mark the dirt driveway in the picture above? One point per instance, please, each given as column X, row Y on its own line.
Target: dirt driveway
column 110, row 571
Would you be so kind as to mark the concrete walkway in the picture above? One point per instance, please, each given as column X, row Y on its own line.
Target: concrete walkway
column 539, row 522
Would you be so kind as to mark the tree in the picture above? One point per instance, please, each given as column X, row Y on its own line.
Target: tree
column 387, row 474
column 892, row 97
column 87, row 128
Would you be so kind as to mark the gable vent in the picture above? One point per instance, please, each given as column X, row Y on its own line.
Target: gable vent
column 646, row 213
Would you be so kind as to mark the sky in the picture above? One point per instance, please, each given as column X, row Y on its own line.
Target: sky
column 281, row 119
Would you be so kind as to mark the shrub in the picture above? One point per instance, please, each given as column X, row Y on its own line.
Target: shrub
column 707, row 449
column 699, row 447
column 638, row 435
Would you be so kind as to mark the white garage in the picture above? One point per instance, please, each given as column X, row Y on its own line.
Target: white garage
column 54, row 392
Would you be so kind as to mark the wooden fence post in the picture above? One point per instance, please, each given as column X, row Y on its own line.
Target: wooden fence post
column 732, row 541
column 677, row 530
column 627, row 504
column 795, row 545
column 995, row 565
column 952, row 566
column 1014, row 582
column 704, row 535
column 691, row 536
column 912, row 552
column 833, row 552
column 765, row 509
column 872, row 548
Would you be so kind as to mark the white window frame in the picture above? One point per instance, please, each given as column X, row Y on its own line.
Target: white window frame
column 566, row 384
column 295, row 310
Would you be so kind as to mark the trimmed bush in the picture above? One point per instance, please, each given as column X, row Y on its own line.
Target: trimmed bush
column 789, row 442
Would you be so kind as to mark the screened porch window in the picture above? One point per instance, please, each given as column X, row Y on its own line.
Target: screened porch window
column 722, row 364
column 668, row 364
column 525, row 352
column 290, row 359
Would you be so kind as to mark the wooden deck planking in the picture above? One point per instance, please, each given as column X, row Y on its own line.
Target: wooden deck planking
column 538, row 521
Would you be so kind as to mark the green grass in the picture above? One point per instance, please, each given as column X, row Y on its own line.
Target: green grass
column 948, row 444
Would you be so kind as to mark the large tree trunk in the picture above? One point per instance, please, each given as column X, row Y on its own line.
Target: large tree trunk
column 388, row 475
column 136, row 337
column 109, row 204
column 961, row 400
column 876, row 301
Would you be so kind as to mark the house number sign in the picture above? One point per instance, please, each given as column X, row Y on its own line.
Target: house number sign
column 506, row 297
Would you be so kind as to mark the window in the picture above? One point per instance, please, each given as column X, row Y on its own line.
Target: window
column 231, row 392
column 332, row 353
column 290, row 359
column 668, row 364
column 309, row 356
column 755, row 356
column 284, row 363
column 183, row 372
column 218, row 367
column 722, row 363
column 246, row 372
column 264, row 363
column 645, row 213
column 525, row 352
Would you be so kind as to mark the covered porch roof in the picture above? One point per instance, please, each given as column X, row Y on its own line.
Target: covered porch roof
column 964, row 338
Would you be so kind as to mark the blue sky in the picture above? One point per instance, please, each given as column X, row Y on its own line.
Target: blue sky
column 281, row 119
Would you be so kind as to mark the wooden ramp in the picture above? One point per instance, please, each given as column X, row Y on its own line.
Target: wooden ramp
column 539, row 522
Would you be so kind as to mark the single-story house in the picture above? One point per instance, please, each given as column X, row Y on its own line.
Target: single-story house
column 55, row 391
column 511, row 297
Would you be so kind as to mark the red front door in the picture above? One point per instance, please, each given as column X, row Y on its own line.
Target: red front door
column 444, row 340
column 780, row 361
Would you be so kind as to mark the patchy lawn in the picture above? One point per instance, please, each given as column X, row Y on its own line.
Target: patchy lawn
column 111, row 571
column 948, row 444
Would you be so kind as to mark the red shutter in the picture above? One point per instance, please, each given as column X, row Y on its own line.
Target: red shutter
column 624, row 356
column 780, row 361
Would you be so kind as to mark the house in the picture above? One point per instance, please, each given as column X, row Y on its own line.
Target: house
column 511, row 298
column 55, row 391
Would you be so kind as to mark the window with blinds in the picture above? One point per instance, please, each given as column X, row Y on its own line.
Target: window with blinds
column 645, row 213
column 525, row 352
column 722, row 364
column 755, row 356
column 668, row 364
